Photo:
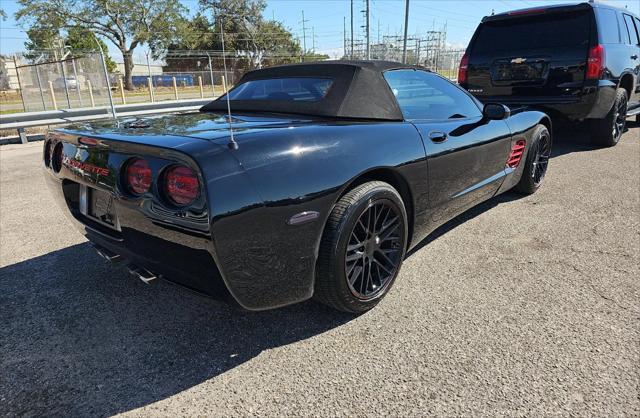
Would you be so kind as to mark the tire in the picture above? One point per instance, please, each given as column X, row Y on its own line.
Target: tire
column 358, row 263
column 608, row 131
column 537, row 161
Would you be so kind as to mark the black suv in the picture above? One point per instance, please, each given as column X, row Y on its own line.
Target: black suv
column 578, row 61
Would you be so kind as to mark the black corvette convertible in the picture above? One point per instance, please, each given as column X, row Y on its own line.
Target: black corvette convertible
column 311, row 180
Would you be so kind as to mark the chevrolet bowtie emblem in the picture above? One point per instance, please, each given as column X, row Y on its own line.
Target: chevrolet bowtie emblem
column 518, row 60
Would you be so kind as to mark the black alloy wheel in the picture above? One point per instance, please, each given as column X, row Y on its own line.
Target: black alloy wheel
column 608, row 131
column 362, row 248
column 534, row 167
column 619, row 119
column 541, row 159
column 374, row 252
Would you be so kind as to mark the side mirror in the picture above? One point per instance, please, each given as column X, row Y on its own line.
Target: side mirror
column 496, row 111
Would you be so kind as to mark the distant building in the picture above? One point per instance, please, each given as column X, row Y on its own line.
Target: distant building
column 8, row 76
column 141, row 69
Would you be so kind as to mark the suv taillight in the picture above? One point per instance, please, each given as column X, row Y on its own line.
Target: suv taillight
column 462, row 70
column 181, row 185
column 138, row 176
column 595, row 63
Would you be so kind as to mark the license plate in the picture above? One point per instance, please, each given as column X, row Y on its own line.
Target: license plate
column 99, row 206
column 505, row 71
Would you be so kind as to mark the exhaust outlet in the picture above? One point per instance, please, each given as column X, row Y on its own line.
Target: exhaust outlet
column 107, row 254
column 142, row 273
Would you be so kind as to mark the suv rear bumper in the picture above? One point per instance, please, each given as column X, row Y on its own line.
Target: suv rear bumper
column 593, row 102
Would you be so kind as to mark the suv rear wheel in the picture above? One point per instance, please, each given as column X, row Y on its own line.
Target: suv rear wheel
column 608, row 131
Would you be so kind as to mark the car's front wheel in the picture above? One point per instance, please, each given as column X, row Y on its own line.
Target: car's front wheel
column 362, row 248
column 608, row 131
column 537, row 161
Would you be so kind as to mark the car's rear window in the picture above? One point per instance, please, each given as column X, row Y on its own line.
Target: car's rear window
column 533, row 32
column 295, row 89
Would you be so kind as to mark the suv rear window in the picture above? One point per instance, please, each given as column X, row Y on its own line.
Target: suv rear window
column 292, row 89
column 608, row 26
column 547, row 31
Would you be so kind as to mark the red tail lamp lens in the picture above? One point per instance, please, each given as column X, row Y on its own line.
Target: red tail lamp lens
column 595, row 62
column 138, row 176
column 181, row 185
column 517, row 151
column 56, row 158
column 462, row 70
column 47, row 153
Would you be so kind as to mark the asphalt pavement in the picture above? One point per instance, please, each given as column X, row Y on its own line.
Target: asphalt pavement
column 521, row 306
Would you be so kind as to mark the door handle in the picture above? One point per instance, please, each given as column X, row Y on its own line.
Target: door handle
column 437, row 136
column 634, row 57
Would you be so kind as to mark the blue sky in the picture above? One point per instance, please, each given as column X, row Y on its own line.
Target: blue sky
column 325, row 17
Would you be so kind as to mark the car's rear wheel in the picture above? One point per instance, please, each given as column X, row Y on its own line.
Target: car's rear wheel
column 608, row 131
column 537, row 161
column 362, row 248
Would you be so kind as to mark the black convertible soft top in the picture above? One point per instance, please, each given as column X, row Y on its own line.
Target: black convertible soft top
column 359, row 91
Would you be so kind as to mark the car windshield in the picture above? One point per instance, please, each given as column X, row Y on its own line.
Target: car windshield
column 296, row 89
column 533, row 32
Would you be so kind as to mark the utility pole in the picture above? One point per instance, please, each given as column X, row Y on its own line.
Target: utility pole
column 313, row 39
column 351, row 29
column 304, row 37
column 367, row 26
column 406, row 28
column 344, row 36
column 378, row 31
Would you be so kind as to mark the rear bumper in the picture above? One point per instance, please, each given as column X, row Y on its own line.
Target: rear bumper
column 593, row 102
column 179, row 256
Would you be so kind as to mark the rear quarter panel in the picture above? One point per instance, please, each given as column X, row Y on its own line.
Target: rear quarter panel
column 281, row 172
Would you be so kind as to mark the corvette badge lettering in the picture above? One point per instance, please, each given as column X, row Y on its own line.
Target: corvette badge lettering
column 89, row 168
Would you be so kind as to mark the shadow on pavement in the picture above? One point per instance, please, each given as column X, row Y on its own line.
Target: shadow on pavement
column 577, row 138
column 83, row 337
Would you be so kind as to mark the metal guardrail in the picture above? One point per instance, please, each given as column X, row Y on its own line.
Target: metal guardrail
column 20, row 121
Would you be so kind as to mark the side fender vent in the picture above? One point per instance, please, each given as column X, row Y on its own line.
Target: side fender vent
column 517, row 151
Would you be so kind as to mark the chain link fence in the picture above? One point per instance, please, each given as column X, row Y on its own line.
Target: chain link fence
column 51, row 80
column 65, row 83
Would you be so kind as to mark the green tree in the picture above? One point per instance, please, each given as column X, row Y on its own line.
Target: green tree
column 125, row 23
column 42, row 41
column 250, row 40
column 315, row 56
column 195, row 37
column 81, row 40
column 3, row 15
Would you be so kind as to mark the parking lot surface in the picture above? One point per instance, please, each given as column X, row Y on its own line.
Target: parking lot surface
column 521, row 306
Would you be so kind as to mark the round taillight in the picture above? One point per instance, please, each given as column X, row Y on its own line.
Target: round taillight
column 181, row 185
column 47, row 154
column 138, row 176
column 56, row 158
